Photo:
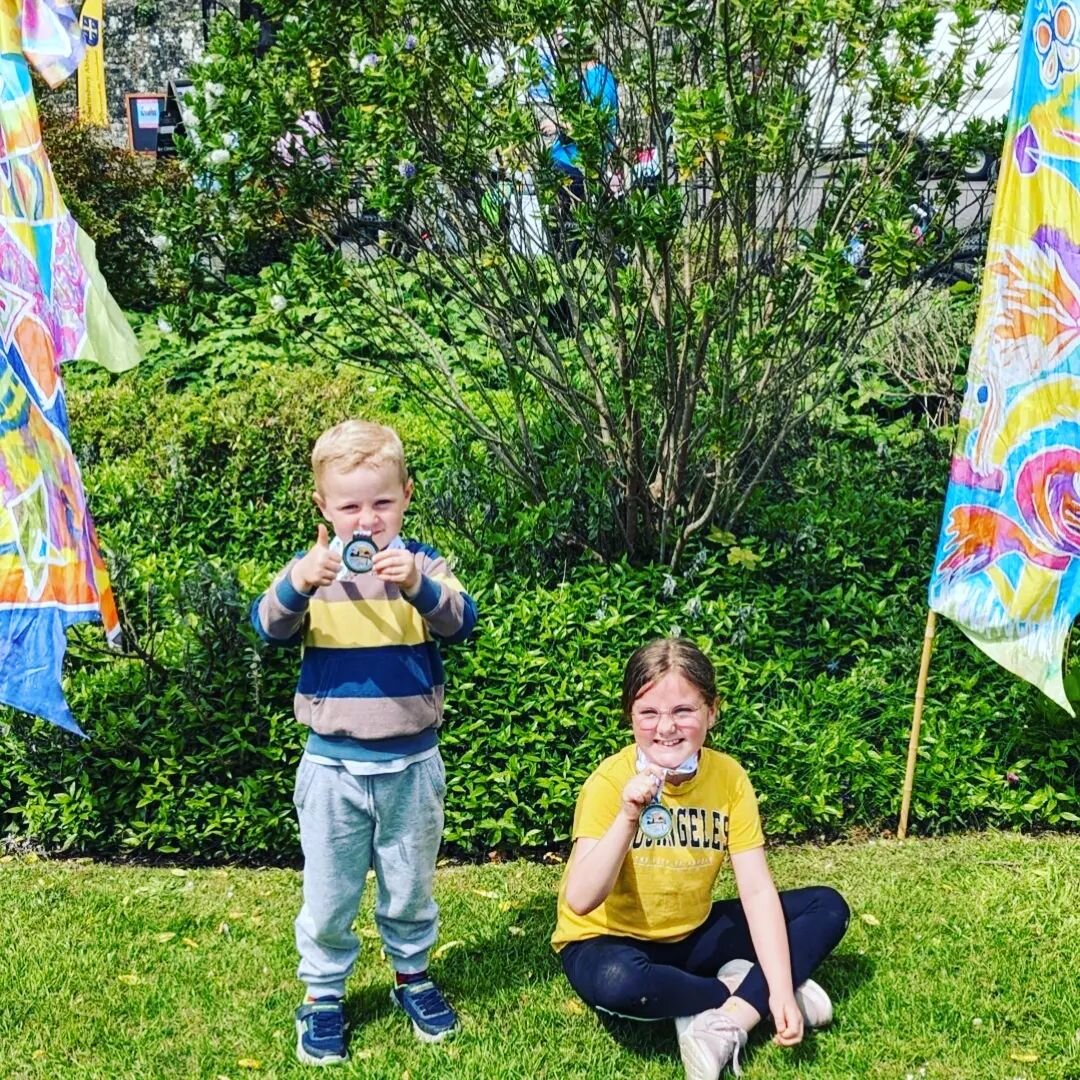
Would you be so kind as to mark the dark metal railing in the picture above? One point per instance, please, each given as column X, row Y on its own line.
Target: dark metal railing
column 212, row 8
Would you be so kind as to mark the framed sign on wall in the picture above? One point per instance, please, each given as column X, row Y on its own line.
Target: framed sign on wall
column 143, row 114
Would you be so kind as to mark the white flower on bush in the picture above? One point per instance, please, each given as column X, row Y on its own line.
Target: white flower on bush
column 676, row 630
column 230, row 140
column 369, row 62
column 693, row 607
column 278, row 302
column 292, row 20
column 220, row 156
column 210, row 58
column 669, row 586
column 354, row 61
column 164, row 326
column 189, row 117
column 160, row 242
column 212, row 91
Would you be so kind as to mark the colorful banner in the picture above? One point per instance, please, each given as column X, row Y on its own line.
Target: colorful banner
column 54, row 307
column 93, row 106
column 1007, row 569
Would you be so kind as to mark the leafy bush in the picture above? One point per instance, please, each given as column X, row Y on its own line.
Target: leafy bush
column 815, row 624
column 649, row 337
column 199, row 492
column 814, row 620
column 189, row 754
column 112, row 193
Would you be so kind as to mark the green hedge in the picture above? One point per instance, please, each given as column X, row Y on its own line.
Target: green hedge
column 814, row 617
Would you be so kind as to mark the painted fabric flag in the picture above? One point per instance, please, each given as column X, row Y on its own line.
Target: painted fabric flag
column 1007, row 567
column 54, row 307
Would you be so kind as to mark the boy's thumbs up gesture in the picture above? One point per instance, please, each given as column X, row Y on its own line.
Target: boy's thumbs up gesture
column 318, row 567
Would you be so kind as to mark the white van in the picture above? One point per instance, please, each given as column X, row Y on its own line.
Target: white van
column 996, row 45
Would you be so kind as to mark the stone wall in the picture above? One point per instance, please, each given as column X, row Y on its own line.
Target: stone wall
column 147, row 43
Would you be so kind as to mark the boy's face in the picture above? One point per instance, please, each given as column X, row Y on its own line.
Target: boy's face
column 670, row 720
column 369, row 498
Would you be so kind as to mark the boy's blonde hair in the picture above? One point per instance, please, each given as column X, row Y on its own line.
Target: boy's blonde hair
column 353, row 443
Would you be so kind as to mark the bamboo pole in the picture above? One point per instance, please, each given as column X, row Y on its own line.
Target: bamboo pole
column 916, row 722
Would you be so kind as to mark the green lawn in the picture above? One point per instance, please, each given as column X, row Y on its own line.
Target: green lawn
column 962, row 960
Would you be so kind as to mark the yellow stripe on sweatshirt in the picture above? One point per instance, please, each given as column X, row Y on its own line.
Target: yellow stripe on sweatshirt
column 449, row 580
column 364, row 624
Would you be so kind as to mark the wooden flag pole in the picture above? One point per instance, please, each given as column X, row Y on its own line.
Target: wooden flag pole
column 916, row 722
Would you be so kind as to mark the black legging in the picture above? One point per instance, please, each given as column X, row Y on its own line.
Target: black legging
column 654, row 980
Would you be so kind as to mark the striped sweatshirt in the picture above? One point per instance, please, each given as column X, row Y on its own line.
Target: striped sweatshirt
column 371, row 668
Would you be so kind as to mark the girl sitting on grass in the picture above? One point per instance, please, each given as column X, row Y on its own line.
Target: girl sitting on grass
column 638, row 933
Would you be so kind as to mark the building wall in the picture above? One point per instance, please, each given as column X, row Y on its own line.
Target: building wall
column 147, row 43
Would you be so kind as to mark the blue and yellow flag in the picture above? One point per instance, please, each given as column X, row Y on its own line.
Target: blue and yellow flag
column 54, row 307
column 1007, row 568
column 93, row 106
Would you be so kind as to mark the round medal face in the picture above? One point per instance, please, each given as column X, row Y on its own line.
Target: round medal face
column 655, row 821
column 358, row 553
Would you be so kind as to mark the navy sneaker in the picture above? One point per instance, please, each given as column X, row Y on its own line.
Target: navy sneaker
column 320, row 1032
column 432, row 1018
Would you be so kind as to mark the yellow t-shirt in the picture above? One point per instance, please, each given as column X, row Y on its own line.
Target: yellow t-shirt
column 664, row 888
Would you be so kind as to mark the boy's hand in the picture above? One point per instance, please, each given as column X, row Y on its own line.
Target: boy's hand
column 319, row 566
column 399, row 566
column 639, row 791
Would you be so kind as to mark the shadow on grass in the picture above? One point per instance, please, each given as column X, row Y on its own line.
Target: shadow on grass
column 843, row 973
column 480, row 967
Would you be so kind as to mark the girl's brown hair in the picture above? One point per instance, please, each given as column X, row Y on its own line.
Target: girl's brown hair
column 655, row 660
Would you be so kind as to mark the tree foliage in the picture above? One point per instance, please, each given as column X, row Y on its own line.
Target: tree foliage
column 632, row 352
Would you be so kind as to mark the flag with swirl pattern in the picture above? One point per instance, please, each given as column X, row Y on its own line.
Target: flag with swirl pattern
column 54, row 307
column 1008, row 560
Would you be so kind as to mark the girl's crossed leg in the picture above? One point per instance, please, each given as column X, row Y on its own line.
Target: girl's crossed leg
column 651, row 980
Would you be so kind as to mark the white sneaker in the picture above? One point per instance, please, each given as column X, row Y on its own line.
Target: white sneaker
column 813, row 1002
column 708, row 1042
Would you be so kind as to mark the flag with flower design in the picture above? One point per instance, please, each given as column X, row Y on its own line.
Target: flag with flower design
column 1007, row 567
column 54, row 307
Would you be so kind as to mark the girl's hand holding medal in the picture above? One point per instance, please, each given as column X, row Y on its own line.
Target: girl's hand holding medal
column 641, row 791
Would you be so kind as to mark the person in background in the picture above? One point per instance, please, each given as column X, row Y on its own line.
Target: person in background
column 599, row 87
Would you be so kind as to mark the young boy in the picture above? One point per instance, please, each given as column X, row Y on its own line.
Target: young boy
column 370, row 787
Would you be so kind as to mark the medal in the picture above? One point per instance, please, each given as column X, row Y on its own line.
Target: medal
column 655, row 820
column 358, row 553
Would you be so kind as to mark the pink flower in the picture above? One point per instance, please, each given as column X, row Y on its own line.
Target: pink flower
column 290, row 146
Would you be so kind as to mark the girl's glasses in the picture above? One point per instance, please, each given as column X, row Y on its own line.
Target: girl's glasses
column 681, row 714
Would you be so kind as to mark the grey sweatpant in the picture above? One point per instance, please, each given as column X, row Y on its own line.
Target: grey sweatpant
column 391, row 823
